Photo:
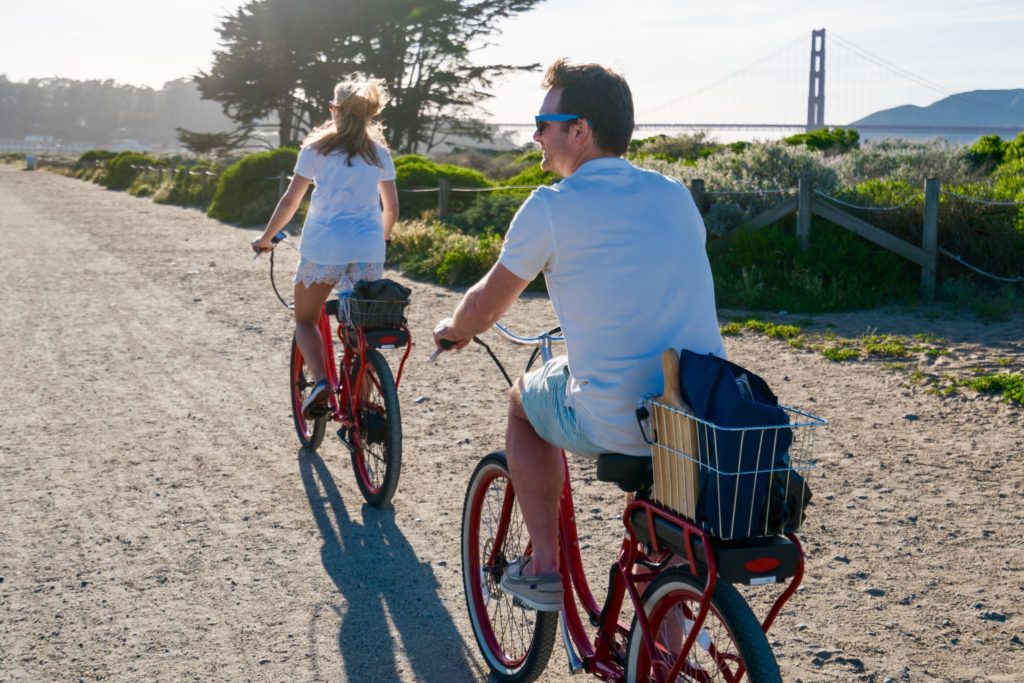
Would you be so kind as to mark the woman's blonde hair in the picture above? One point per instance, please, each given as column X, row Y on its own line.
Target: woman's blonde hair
column 360, row 101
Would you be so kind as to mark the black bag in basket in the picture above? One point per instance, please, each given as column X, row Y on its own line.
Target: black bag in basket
column 378, row 303
column 734, row 502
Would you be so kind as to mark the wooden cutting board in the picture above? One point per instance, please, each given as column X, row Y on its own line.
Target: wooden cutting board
column 675, row 476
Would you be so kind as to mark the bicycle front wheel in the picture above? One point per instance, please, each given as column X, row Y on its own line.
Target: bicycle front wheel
column 515, row 640
column 377, row 452
column 310, row 432
column 729, row 646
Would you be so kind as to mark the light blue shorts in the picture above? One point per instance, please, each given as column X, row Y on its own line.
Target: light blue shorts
column 543, row 395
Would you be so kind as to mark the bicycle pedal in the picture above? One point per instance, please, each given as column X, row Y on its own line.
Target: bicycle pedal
column 316, row 411
column 342, row 436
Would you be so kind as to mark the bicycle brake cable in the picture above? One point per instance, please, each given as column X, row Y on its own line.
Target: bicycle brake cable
column 490, row 353
column 274, row 285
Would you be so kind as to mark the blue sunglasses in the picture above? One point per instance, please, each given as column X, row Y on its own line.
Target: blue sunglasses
column 542, row 120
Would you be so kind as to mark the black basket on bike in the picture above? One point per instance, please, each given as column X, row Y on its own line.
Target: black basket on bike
column 375, row 304
column 735, row 482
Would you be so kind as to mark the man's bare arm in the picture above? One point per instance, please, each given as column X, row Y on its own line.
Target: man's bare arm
column 483, row 305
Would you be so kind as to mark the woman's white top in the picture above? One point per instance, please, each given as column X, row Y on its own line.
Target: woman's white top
column 344, row 223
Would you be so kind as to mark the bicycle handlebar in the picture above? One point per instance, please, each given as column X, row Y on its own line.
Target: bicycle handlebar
column 281, row 236
column 541, row 343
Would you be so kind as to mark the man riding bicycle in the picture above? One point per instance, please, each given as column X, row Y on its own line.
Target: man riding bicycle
column 622, row 252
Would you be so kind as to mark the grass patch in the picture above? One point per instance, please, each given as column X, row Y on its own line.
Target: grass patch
column 886, row 345
column 772, row 330
column 839, row 354
column 731, row 329
column 1009, row 385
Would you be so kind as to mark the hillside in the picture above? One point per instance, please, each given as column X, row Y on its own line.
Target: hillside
column 996, row 108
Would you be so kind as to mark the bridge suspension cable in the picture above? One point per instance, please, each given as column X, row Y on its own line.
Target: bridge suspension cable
column 728, row 77
column 919, row 80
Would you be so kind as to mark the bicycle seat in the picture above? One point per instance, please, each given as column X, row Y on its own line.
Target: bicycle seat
column 632, row 473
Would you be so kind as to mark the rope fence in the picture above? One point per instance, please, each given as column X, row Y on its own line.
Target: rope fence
column 977, row 270
column 983, row 202
column 837, row 200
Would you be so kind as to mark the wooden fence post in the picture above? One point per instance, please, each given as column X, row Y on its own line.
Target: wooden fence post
column 444, row 186
column 930, row 237
column 697, row 190
column 803, row 211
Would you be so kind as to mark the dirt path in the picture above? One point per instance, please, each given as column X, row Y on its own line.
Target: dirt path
column 160, row 522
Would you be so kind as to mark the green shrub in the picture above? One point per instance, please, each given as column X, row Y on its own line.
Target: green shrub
column 830, row 141
column 93, row 155
column 987, row 152
column 244, row 195
column 498, row 165
column 529, row 177
column 436, row 252
column 906, row 160
column 489, row 214
column 185, row 187
column 688, row 147
column 413, row 171
column 92, row 164
column 840, row 271
column 120, row 175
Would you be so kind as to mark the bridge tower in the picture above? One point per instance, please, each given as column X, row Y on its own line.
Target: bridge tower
column 816, row 87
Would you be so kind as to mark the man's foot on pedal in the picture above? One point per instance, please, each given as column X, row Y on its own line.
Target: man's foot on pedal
column 543, row 592
column 315, row 404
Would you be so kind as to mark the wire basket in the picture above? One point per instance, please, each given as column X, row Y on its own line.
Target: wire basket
column 356, row 312
column 734, row 482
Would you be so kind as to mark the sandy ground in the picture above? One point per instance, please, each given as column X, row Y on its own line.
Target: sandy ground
column 161, row 523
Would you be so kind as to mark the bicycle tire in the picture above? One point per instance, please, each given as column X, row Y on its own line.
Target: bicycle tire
column 377, row 444
column 310, row 432
column 675, row 595
column 516, row 641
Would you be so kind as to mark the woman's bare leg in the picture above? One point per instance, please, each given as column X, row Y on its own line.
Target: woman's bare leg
column 308, row 302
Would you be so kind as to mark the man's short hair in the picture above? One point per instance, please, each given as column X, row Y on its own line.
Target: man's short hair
column 598, row 95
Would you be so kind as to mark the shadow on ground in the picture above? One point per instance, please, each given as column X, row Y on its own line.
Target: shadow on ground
column 392, row 617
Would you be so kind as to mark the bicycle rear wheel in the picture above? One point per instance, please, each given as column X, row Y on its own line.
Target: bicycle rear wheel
column 730, row 644
column 516, row 641
column 377, row 444
column 310, row 432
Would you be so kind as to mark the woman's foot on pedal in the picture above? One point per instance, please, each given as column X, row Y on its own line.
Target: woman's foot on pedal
column 315, row 404
column 543, row 592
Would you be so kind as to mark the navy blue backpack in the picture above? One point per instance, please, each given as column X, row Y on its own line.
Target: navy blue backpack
column 736, row 486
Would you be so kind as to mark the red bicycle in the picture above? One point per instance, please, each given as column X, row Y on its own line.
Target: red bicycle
column 363, row 397
column 364, row 393
column 690, row 623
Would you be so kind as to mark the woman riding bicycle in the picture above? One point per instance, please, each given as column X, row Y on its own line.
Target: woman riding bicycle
column 351, row 213
column 622, row 252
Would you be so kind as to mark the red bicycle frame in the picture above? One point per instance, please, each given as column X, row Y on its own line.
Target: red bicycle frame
column 596, row 656
column 341, row 401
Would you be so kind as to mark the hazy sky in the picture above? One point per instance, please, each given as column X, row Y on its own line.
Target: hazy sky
column 665, row 48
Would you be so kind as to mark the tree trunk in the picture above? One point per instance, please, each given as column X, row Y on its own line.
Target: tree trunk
column 284, row 126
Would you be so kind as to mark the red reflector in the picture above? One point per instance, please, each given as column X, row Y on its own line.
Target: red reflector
column 388, row 340
column 762, row 564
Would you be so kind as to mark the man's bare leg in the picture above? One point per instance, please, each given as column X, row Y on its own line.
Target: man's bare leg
column 537, row 475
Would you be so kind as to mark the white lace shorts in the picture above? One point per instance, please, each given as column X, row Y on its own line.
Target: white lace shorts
column 344, row 276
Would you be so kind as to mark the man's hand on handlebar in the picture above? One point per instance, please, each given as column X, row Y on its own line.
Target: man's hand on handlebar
column 444, row 338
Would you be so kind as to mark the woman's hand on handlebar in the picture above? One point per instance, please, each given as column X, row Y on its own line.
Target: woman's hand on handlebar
column 261, row 245
column 265, row 243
